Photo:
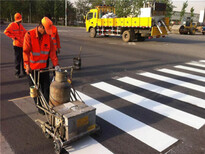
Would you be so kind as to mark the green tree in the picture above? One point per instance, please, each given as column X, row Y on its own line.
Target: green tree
column 123, row 8
column 96, row 3
column 83, row 6
column 185, row 4
column 110, row 2
column 136, row 5
column 192, row 13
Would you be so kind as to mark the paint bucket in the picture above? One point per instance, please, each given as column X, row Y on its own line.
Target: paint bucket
column 33, row 92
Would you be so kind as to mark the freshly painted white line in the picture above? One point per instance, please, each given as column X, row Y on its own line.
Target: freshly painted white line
column 196, row 64
column 172, row 113
column 203, row 61
column 86, row 146
column 164, row 91
column 182, row 74
column 174, row 81
column 190, row 69
column 148, row 135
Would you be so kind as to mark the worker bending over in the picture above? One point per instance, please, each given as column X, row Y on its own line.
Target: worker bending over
column 37, row 48
column 16, row 31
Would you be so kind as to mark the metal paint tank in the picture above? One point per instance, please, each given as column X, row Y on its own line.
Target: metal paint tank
column 59, row 89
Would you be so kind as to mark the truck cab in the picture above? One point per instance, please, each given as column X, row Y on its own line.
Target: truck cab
column 91, row 19
column 94, row 14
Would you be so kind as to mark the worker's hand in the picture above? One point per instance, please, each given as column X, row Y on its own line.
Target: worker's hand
column 57, row 68
column 58, row 51
column 28, row 69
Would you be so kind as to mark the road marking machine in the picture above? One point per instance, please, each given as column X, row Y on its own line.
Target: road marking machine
column 68, row 117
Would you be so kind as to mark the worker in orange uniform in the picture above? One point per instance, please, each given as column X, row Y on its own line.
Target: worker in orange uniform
column 16, row 31
column 56, row 39
column 37, row 48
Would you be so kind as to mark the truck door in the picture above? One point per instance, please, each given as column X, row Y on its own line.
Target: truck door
column 91, row 20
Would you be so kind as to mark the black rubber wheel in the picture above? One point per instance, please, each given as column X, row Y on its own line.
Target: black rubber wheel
column 126, row 36
column 98, row 133
column 181, row 30
column 57, row 147
column 92, row 33
column 203, row 33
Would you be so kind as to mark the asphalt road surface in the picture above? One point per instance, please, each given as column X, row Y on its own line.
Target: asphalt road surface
column 149, row 96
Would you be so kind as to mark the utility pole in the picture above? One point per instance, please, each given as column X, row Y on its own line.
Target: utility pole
column 66, row 11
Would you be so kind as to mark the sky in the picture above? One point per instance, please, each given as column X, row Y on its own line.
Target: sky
column 197, row 4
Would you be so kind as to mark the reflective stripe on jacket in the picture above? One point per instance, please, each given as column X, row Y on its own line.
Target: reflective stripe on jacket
column 55, row 38
column 36, row 52
column 16, row 32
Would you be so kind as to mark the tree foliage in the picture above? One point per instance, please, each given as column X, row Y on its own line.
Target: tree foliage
column 38, row 9
column 185, row 4
column 192, row 12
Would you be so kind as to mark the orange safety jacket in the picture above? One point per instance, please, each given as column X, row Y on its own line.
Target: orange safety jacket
column 55, row 38
column 16, row 32
column 36, row 52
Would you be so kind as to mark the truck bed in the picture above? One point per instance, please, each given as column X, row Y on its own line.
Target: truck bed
column 145, row 22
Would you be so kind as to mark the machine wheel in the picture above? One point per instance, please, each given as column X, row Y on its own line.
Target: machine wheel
column 192, row 31
column 92, row 33
column 181, row 30
column 126, row 36
column 98, row 133
column 57, row 147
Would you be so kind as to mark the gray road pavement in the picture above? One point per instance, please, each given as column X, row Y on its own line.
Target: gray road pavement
column 164, row 96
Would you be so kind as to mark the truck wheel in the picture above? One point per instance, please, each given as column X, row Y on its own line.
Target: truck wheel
column 92, row 32
column 126, row 36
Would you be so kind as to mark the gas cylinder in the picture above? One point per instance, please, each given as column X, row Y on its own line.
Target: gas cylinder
column 59, row 89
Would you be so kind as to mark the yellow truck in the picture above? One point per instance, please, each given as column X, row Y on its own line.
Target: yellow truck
column 149, row 24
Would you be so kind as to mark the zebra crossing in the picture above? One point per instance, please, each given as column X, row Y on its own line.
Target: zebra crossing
column 147, row 134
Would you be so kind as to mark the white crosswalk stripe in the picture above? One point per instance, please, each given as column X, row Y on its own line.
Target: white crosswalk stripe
column 190, row 69
column 182, row 74
column 203, row 61
column 164, row 91
column 196, row 64
column 174, row 81
column 172, row 113
column 154, row 138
